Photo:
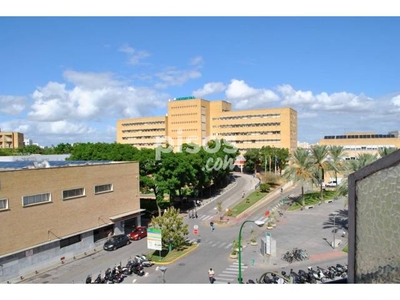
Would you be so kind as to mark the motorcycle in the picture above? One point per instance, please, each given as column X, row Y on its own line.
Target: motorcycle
column 306, row 277
column 88, row 279
column 142, row 259
column 135, row 267
column 107, row 276
column 99, row 279
column 318, row 275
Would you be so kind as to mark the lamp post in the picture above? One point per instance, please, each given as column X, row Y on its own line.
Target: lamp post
column 259, row 224
column 334, row 231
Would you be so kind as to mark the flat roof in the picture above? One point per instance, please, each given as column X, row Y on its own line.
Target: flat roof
column 18, row 165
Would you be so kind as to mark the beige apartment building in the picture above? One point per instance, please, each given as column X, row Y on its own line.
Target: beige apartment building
column 11, row 140
column 52, row 214
column 196, row 120
column 355, row 143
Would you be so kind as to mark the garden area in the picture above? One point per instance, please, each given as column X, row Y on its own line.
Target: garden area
column 312, row 198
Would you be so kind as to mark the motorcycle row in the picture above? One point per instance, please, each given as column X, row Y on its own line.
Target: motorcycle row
column 119, row 272
column 318, row 275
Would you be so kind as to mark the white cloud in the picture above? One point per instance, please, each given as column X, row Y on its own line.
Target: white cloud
column 12, row 105
column 396, row 101
column 174, row 77
column 243, row 96
column 51, row 103
column 64, row 128
column 336, row 102
column 209, row 88
column 90, row 80
column 292, row 97
column 134, row 56
column 48, row 132
column 307, row 115
column 91, row 101
column 197, row 61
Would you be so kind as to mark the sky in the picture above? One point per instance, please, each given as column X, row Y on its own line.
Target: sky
column 69, row 78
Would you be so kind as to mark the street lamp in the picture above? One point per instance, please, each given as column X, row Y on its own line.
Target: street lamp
column 259, row 224
column 334, row 231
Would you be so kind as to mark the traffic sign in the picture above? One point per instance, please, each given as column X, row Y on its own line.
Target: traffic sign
column 195, row 231
column 267, row 213
column 195, row 227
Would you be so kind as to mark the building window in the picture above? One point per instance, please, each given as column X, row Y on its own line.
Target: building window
column 75, row 193
column 36, row 199
column 3, row 204
column 98, row 189
column 70, row 241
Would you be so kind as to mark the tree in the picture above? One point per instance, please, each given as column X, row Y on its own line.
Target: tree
column 319, row 154
column 219, row 208
column 63, row 148
column 252, row 157
column 336, row 164
column 300, row 169
column 264, row 187
column 173, row 230
column 351, row 166
column 149, row 167
column 386, row 151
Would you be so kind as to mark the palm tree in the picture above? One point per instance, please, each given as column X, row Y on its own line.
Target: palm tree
column 351, row 166
column 361, row 161
column 336, row 164
column 300, row 169
column 319, row 153
column 386, row 151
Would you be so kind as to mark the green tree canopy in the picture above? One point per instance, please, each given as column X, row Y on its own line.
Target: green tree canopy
column 173, row 230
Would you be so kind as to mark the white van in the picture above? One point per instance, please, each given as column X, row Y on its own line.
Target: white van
column 333, row 183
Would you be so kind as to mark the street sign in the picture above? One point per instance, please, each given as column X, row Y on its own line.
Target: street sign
column 154, row 239
column 195, row 231
column 195, row 227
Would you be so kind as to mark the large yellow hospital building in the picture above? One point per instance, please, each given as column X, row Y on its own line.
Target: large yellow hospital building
column 197, row 120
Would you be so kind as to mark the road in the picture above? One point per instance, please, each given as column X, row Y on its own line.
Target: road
column 307, row 229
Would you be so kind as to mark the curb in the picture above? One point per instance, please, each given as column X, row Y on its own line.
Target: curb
column 174, row 260
column 268, row 198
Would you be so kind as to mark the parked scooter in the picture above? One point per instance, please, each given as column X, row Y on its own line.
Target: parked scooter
column 135, row 267
column 88, row 279
column 318, row 275
column 108, row 276
column 142, row 259
column 99, row 279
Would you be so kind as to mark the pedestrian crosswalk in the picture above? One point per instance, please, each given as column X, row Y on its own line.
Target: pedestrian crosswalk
column 230, row 274
column 212, row 243
column 205, row 217
column 209, row 217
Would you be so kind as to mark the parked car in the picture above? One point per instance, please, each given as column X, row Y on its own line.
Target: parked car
column 139, row 233
column 334, row 183
column 116, row 241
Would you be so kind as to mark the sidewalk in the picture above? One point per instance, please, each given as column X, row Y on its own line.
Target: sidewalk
column 309, row 230
column 268, row 199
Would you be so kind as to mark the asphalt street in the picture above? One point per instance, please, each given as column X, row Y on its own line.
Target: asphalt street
column 310, row 230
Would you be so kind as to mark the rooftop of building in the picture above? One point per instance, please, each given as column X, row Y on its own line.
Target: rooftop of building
column 361, row 135
column 20, row 165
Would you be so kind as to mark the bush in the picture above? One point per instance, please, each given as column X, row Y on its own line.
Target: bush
column 264, row 187
column 271, row 178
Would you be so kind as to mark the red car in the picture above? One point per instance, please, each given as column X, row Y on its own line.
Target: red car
column 139, row 233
